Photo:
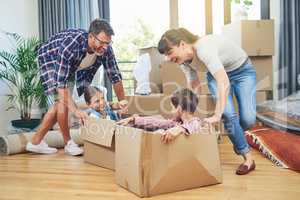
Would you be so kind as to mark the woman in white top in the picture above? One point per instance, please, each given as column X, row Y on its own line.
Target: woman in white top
column 230, row 72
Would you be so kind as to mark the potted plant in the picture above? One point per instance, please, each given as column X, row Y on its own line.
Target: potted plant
column 244, row 7
column 19, row 71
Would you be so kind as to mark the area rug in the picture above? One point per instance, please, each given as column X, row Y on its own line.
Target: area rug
column 281, row 147
column 16, row 143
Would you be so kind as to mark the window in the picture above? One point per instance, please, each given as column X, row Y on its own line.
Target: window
column 136, row 24
column 253, row 10
column 191, row 15
column 218, row 16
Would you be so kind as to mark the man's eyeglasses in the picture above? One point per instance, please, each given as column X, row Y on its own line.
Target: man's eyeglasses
column 102, row 43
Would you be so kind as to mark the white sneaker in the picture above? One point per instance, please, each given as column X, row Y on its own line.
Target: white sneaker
column 73, row 149
column 42, row 148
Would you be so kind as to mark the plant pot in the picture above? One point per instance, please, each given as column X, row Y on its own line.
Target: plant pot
column 29, row 124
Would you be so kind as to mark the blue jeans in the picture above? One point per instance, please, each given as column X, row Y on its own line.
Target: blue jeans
column 243, row 86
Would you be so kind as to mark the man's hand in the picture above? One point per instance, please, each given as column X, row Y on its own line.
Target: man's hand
column 123, row 103
column 82, row 116
column 124, row 106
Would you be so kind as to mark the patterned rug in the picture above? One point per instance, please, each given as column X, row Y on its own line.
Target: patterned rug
column 281, row 147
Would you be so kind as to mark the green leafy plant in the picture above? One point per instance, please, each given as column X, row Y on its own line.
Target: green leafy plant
column 19, row 71
column 245, row 3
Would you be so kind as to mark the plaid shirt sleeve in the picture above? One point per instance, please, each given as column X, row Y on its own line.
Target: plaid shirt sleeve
column 111, row 67
column 64, row 61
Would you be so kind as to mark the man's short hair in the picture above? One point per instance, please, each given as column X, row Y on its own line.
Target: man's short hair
column 99, row 25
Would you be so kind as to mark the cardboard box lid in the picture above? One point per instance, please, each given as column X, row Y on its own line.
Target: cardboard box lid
column 99, row 131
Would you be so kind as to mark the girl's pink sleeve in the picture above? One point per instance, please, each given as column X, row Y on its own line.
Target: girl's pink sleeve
column 154, row 123
column 193, row 126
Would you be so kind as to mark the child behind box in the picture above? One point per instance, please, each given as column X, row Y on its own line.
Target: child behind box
column 184, row 103
column 98, row 107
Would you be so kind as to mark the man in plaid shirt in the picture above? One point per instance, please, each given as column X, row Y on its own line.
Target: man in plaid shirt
column 73, row 55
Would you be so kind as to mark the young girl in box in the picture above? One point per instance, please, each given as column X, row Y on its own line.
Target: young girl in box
column 184, row 103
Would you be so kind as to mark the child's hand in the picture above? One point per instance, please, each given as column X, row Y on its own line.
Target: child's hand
column 170, row 134
column 125, row 121
column 128, row 120
column 167, row 137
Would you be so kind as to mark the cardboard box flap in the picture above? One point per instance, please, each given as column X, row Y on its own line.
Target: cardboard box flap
column 99, row 131
column 190, row 153
column 191, row 176
column 126, row 169
column 192, row 169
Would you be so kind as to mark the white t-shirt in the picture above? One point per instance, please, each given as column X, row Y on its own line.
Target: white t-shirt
column 216, row 52
column 87, row 61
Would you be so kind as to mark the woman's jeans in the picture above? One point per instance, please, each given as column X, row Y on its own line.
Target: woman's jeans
column 243, row 87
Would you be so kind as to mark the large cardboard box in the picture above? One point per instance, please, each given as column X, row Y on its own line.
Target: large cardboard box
column 264, row 72
column 256, row 37
column 99, row 142
column 144, row 104
column 156, row 59
column 147, row 167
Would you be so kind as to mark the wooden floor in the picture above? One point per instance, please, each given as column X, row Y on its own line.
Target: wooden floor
column 28, row 176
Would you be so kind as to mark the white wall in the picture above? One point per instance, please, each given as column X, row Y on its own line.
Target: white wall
column 275, row 14
column 20, row 16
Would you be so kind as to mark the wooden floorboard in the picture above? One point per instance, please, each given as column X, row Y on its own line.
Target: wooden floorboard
column 30, row 176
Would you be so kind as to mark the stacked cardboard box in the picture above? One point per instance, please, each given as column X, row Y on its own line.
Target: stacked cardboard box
column 256, row 37
column 173, row 78
column 154, row 77
column 146, row 166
